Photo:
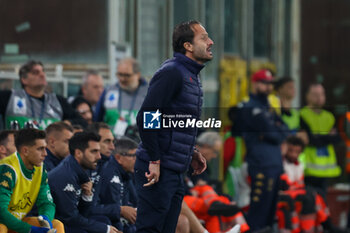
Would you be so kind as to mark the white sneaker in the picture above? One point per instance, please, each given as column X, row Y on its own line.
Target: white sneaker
column 235, row 229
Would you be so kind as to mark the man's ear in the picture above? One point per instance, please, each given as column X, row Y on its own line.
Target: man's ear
column 24, row 151
column 188, row 46
column 117, row 157
column 78, row 154
column 50, row 141
column 2, row 149
column 23, row 80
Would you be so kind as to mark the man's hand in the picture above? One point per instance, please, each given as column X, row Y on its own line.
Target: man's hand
column 87, row 188
column 112, row 229
column 44, row 221
column 153, row 174
column 129, row 213
column 199, row 164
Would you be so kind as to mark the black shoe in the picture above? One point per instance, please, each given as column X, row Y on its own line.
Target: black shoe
column 264, row 230
column 221, row 209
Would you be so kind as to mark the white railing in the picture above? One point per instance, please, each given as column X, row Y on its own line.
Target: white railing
column 56, row 74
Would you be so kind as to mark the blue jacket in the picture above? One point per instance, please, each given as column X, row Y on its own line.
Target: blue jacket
column 95, row 175
column 117, row 188
column 174, row 89
column 65, row 181
column 51, row 161
column 263, row 132
column 112, row 211
column 117, row 185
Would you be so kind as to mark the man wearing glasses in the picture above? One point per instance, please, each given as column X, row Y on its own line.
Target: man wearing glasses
column 119, row 104
column 32, row 106
column 117, row 186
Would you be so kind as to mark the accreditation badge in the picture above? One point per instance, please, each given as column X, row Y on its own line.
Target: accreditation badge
column 120, row 127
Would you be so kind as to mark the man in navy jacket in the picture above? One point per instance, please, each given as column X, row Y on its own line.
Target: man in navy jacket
column 72, row 189
column 263, row 131
column 117, row 185
column 106, row 149
column 110, row 210
column 165, row 154
column 57, row 138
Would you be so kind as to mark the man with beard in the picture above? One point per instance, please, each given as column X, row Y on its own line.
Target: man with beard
column 106, row 149
column 57, row 138
column 31, row 104
column 165, row 154
column 72, row 189
column 263, row 131
column 119, row 103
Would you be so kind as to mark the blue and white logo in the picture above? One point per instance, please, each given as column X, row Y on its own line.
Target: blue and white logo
column 20, row 106
column 151, row 120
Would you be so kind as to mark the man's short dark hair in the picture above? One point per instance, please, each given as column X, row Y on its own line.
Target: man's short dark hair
column 77, row 127
column 4, row 136
column 123, row 145
column 78, row 101
column 281, row 82
column 182, row 33
column 27, row 137
column 295, row 141
column 96, row 126
column 58, row 127
column 81, row 140
column 26, row 68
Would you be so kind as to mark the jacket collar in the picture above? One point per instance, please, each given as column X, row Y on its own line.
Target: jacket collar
column 52, row 157
column 190, row 64
column 79, row 170
column 125, row 175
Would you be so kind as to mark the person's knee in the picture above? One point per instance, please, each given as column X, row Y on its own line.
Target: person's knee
column 58, row 225
column 183, row 224
column 3, row 228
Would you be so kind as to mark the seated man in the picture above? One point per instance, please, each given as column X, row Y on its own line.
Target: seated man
column 106, row 148
column 117, row 186
column 23, row 183
column 57, row 138
column 204, row 200
column 300, row 208
column 32, row 106
column 72, row 189
column 7, row 143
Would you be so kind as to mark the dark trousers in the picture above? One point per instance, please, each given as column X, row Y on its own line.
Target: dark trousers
column 263, row 196
column 319, row 184
column 98, row 218
column 159, row 205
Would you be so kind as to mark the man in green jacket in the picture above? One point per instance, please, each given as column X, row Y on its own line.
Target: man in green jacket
column 23, row 183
